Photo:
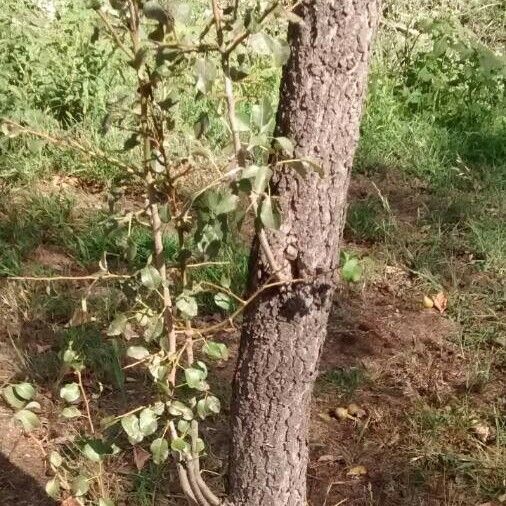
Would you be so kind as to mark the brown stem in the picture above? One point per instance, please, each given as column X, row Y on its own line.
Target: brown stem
column 85, row 399
column 71, row 144
column 112, row 32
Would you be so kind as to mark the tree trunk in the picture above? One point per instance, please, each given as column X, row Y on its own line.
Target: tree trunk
column 321, row 99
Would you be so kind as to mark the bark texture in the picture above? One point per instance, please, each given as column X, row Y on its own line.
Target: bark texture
column 321, row 100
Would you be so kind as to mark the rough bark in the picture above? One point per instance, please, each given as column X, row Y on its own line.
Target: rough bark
column 321, row 99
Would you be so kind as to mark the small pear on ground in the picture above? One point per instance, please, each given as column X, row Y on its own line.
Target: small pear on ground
column 428, row 302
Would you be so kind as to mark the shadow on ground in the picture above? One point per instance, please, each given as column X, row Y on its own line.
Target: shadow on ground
column 18, row 488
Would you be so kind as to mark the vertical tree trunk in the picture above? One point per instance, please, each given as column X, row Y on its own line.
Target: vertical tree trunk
column 320, row 107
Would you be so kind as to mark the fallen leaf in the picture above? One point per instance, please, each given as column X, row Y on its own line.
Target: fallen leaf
column 325, row 417
column 141, row 456
column 328, row 458
column 42, row 348
column 440, row 302
column 357, row 471
column 483, row 432
column 356, row 411
column 502, row 498
column 79, row 317
column 342, row 413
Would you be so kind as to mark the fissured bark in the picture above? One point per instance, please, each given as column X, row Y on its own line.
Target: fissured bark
column 320, row 107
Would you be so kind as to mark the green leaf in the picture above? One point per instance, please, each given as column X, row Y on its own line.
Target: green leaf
column 28, row 419
column 105, row 502
column 70, row 392
column 130, row 425
column 223, row 300
column 177, row 408
column 260, row 175
column 70, row 412
column 25, row 391
column 195, row 378
column 164, row 212
column 199, row 445
column 160, row 450
column 180, row 445
column 269, row 214
column 12, row 399
column 205, row 71
column 154, row 328
column 70, row 356
column 53, row 488
column 33, row 406
column 118, row 325
column 218, row 351
column 260, row 43
column 262, row 114
column 242, row 122
column 55, row 459
column 351, row 271
column 183, row 426
column 280, row 51
column 286, row 145
column 208, row 406
column 187, row 305
column 137, row 352
column 150, row 277
column 148, row 422
column 96, row 449
column 79, row 485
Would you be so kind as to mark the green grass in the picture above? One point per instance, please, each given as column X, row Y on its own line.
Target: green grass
column 344, row 380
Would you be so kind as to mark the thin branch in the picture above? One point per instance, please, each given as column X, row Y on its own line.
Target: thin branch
column 244, row 35
column 86, row 402
column 113, row 34
column 224, row 290
column 200, row 48
column 237, row 312
column 92, row 277
column 71, row 144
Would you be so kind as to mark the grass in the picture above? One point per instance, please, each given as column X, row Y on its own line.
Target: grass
column 345, row 381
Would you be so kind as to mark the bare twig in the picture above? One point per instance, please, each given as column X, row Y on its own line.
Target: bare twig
column 71, row 144
column 112, row 32
column 86, row 402
column 91, row 277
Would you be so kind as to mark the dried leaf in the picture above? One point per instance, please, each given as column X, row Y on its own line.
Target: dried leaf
column 483, row 432
column 356, row 411
column 328, row 458
column 357, row 471
column 141, row 456
column 325, row 417
column 440, row 302
column 342, row 413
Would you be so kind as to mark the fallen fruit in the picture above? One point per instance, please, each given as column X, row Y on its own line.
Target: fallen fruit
column 428, row 302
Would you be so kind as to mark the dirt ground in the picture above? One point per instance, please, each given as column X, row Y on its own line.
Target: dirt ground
column 403, row 352
column 390, row 372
